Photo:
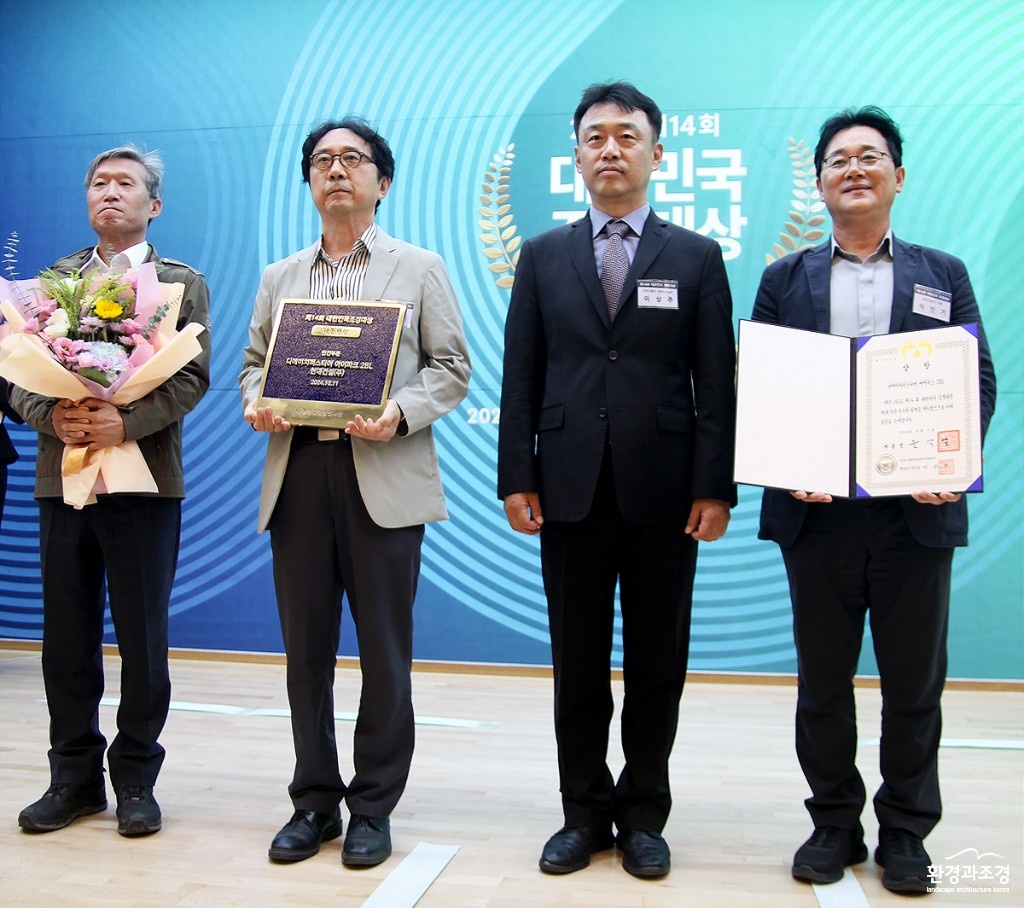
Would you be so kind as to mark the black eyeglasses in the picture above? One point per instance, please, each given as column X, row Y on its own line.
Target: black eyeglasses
column 350, row 160
column 869, row 160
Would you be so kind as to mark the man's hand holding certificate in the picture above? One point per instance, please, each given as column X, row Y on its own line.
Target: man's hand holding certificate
column 897, row 414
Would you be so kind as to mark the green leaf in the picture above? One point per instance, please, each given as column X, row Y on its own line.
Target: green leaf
column 96, row 376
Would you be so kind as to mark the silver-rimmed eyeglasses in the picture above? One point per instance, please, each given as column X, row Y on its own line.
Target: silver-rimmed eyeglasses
column 869, row 160
column 350, row 160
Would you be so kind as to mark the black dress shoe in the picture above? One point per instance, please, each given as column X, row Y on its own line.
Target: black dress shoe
column 823, row 856
column 62, row 803
column 368, row 842
column 301, row 836
column 644, row 853
column 137, row 811
column 569, row 849
column 901, row 852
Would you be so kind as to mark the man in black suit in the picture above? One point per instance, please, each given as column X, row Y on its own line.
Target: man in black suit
column 127, row 541
column 890, row 558
column 615, row 444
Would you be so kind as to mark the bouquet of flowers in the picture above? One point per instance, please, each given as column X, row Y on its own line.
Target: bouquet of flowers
column 91, row 324
column 95, row 335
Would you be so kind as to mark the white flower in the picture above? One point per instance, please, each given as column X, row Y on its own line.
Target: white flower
column 57, row 325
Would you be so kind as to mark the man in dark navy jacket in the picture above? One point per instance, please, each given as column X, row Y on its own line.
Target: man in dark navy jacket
column 8, row 453
column 616, row 437
column 888, row 558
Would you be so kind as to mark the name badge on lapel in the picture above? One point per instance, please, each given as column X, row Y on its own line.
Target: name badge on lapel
column 657, row 294
column 933, row 303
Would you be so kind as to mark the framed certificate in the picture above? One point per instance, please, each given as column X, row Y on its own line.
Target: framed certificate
column 859, row 417
column 329, row 360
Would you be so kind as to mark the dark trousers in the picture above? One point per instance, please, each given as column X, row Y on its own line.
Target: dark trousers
column 654, row 567
column 132, row 542
column 325, row 545
column 3, row 489
column 855, row 559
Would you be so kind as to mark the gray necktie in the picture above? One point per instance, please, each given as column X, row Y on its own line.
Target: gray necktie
column 614, row 265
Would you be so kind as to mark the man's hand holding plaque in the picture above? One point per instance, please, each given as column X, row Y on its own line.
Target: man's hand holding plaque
column 330, row 364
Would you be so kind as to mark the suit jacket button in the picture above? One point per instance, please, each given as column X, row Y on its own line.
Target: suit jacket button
column 602, row 412
column 613, row 355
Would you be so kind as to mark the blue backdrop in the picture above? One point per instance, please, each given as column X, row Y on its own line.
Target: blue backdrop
column 476, row 99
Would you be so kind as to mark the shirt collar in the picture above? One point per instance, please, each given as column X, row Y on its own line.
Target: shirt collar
column 636, row 219
column 136, row 255
column 366, row 240
column 884, row 250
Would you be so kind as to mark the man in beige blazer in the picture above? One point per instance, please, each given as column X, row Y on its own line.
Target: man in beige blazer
column 346, row 509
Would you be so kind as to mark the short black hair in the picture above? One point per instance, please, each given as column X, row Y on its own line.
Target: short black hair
column 626, row 95
column 379, row 147
column 871, row 116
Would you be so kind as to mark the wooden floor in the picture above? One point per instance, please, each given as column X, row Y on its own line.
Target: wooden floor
column 488, row 785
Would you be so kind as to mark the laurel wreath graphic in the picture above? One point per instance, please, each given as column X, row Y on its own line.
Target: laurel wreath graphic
column 803, row 228
column 500, row 239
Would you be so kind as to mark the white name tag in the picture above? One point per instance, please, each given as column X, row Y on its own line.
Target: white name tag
column 657, row 294
column 933, row 303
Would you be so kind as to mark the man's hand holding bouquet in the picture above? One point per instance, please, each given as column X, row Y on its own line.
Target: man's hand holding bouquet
column 89, row 339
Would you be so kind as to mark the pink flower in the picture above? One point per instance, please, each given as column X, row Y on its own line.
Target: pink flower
column 130, row 326
column 46, row 308
column 67, row 351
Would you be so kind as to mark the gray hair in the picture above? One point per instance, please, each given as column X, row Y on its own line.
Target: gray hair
column 151, row 161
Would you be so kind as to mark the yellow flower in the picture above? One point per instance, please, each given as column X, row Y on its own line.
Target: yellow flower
column 108, row 309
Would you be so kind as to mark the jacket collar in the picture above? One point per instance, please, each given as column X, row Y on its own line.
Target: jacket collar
column 581, row 251
column 906, row 260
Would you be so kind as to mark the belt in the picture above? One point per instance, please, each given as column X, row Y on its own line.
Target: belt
column 305, row 435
